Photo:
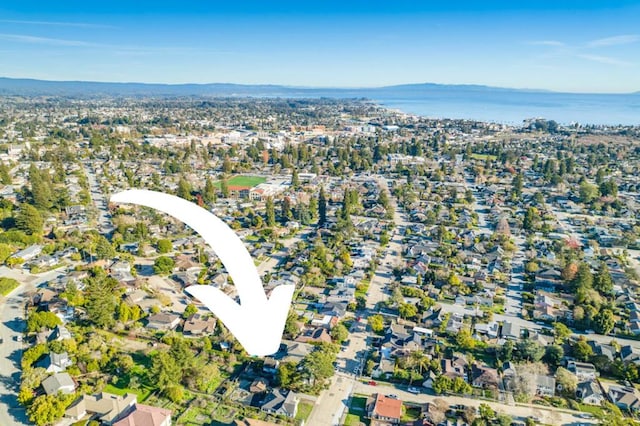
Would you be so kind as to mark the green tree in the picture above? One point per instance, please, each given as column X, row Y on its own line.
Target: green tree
column 553, row 355
column 582, row 350
column 209, row 192
column 163, row 265
column 189, row 310
column 184, row 189
column 530, row 219
column 566, row 380
column 486, row 412
column 602, row 280
column 376, row 322
column 29, row 220
column 5, row 252
column 529, row 350
column 322, row 207
column 604, row 321
column 39, row 320
column 164, row 246
column 164, row 371
column 442, row 384
column 339, row 333
column 46, row 409
column 464, row 340
column 561, row 332
column 104, row 249
column 588, row 192
column 407, row 310
column 100, row 300
column 224, row 188
column 270, row 212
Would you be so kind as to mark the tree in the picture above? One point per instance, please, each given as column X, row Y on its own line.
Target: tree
column 164, row 246
column 322, row 207
column 295, row 180
column 553, row 355
column 270, row 212
column 588, row 192
column 583, row 278
column 286, row 208
column 29, row 220
column 319, row 363
column 602, row 280
column 442, row 384
column 189, row 310
column 184, row 189
column 407, row 310
column 164, row 371
column 582, row 350
column 604, row 321
column 224, row 188
column 376, row 322
column 486, row 412
column 504, row 420
column 39, row 320
column 209, row 192
column 464, row 340
column 104, row 249
column 561, row 332
column 227, row 167
column 339, row 333
column 530, row 218
column 46, row 409
column 566, row 380
column 5, row 252
column 100, row 300
column 163, row 265
column 530, row 350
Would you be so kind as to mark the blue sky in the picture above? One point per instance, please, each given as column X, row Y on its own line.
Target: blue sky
column 573, row 46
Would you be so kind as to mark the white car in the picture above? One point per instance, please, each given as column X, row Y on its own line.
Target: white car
column 413, row 390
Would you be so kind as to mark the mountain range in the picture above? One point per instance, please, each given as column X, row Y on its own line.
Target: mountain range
column 33, row 87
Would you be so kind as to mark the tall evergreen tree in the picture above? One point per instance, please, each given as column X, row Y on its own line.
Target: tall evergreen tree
column 270, row 213
column 322, row 207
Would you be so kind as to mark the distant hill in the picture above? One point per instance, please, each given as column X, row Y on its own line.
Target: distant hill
column 33, row 87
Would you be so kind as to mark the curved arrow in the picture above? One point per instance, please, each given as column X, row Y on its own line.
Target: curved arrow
column 257, row 322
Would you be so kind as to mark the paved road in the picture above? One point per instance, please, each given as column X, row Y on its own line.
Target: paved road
column 547, row 415
column 333, row 402
column 99, row 199
column 12, row 325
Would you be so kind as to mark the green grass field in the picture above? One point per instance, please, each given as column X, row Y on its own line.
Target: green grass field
column 484, row 157
column 141, row 393
column 7, row 285
column 250, row 181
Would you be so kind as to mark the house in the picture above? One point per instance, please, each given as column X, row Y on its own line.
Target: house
column 545, row 385
column 484, row 377
column 455, row 367
column 511, row 331
column 385, row 368
column 59, row 382
column 270, row 365
column 105, row 407
column 280, row 401
column 624, row 398
column 28, row 253
column 629, row 353
column 60, row 333
column 590, row 392
column 163, row 321
column 294, row 351
column 259, row 385
column 383, row 408
column 56, row 363
column 582, row 370
column 146, row 415
column 197, row 325
column 315, row 335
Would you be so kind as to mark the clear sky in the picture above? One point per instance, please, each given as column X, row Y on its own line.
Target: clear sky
column 573, row 46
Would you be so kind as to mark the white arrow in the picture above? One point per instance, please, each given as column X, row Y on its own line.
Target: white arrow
column 258, row 322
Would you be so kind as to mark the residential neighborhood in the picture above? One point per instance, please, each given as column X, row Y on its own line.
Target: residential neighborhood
column 446, row 272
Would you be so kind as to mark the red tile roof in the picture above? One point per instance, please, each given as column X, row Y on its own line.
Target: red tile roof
column 388, row 407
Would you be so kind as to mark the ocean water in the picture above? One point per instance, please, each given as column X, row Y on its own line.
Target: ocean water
column 512, row 107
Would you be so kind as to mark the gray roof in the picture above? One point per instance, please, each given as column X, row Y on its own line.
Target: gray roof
column 59, row 382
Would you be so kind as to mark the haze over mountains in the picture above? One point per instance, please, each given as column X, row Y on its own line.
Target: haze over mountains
column 34, row 87
column 475, row 102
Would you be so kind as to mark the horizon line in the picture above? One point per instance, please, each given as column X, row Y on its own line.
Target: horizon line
column 308, row 87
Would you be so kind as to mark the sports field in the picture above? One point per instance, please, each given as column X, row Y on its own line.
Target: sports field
column 249, row 181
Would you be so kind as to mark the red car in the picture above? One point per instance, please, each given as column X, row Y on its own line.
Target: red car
column 372, row 383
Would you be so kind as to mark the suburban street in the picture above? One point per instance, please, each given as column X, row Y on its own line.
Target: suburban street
column 12, row 325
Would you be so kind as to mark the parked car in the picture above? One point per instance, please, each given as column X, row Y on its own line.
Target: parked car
column 372, row 383
column 413, row 390
column 392, row 395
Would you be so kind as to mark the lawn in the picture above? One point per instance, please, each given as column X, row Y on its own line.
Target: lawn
column 352, row 420
column 304, row 410
column 141, row 393
column 249, row 181
column 483, row 157
column 7, row 285
column 592, row 409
